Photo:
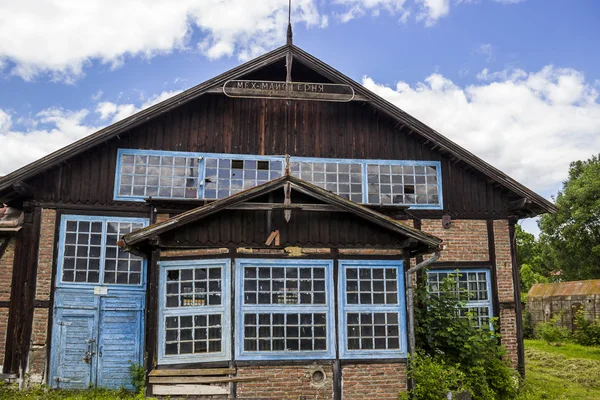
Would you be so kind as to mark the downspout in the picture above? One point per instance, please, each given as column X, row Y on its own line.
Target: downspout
column 410, row 307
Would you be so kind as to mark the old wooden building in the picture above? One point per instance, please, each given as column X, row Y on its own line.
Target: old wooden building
column 251, row 237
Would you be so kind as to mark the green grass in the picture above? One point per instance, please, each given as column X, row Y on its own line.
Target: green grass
column 41, row 393
column 569, row 372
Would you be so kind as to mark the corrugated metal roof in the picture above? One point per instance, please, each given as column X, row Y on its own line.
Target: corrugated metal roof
column 577, row 288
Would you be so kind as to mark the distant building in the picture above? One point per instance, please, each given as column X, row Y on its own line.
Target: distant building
column 545, row 300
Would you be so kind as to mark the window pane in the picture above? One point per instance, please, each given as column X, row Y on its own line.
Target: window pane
column 406, row 185
column 368, row 286
column 225, row 177
column 194, row 287
column 121, row 267
column 193, row 334
column 285, row 332
column 372, row 331
column 284, row 285
column 159, row 176
column 332, row 176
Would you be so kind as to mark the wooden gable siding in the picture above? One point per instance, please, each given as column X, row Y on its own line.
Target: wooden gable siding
column 252, row 228
column 215, row 123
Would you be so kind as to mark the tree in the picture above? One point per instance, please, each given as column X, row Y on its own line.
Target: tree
column 530, row 260
column 570, row 239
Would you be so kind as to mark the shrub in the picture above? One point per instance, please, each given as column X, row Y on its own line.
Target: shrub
column 527, row 325
column 586, row 333
column 138, row 377
column 551, row 333
column 434, row 378
column 457, row 343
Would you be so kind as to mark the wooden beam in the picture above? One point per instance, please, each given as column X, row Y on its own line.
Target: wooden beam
column 280, row 206
column 202, row 379
column 192, row 372
column 186, row 390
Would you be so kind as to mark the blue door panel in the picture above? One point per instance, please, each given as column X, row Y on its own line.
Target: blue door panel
column 74, row 335
column 75, row 299
column 120, row 341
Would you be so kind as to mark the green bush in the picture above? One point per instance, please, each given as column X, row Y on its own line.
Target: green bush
column 138, row 375
column 551, row 333
column 586, row 333
column 527, row 325
column 457, row 343
column 434, row 379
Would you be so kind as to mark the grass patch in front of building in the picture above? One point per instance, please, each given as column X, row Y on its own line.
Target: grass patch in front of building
column 562, row 372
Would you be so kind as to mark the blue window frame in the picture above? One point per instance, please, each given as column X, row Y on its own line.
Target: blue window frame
column 284, row 309
column 473, row 285
column 89, row 254
column 183, row 175
column 371, row 318
column 194, row 311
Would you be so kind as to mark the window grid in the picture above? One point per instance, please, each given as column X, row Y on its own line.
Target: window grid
column 161, row 176
column 371, row 285
column 369, row 329
column 224, row 177
column 121, row 267
column 472, row 286
column 193, row 334
column 195, row 287
column 285, row 327
column 194, row 308
column 140, row 174
column 402, row 184
column 88, row 252
column 285, row 332
column 373, row 331
column 270, row 284
column 344, row 179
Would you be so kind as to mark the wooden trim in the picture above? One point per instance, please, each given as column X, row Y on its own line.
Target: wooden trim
column 117, row 210
column 460, row 264
column 202, row 379
column 4, row 245
column 41, row 303
column 151, row 312
column 517, row 303
column 192, row 372
column 493, row 271
column 4, row 303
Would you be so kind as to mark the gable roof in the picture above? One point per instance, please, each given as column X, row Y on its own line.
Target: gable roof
column 532, row 200
column 562, row 289
column 425, row 241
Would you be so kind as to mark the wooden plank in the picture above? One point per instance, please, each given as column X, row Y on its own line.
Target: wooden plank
column 202, row 379
column 192, row 372
column 171, row 390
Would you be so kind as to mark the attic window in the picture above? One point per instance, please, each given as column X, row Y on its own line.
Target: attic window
column 181, row 175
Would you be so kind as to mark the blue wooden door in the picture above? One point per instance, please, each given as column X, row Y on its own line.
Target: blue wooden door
column 119, row 339
column 99, row 304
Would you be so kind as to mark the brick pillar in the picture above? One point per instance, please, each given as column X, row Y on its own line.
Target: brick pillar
column 39, row 334
column 506, row 290
column 6, row 273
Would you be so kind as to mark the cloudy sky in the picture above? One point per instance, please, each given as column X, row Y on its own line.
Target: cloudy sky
column 514, row 81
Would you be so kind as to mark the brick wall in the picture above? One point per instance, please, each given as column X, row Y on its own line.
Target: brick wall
column 508, row 316
column 373, row 381
column 6, row 273
column 466, row 240
column 289, row 382
column 39, row 335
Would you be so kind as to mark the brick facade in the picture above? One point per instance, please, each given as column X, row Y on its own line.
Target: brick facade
column 373, row 381
column 39, row 334
column 6, row 273
column 465, row 240
column 508, row 315
column 289, row 382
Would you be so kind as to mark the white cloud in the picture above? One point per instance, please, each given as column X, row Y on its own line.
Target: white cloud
column 60, row 38
column 358, row 8
column 531, row 125
column 20, row 147
column 54, row 128
column 116, row 112
column 432, row 10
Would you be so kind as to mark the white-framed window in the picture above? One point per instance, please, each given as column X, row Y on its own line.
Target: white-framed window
column 284, row 309
column 89, row 254
column 194, row 311
column 141, row 174
column 372, row 321
column 471, row 285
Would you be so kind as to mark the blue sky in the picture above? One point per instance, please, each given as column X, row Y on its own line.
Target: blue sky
column 513, row 81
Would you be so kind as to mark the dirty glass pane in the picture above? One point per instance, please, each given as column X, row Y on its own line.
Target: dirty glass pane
column 157, row 175
column 121, row 267
column 193, row 334
column 343, row 179
column 194, row 287
column 402, row 184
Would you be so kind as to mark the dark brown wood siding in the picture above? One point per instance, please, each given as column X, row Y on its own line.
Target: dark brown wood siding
column 251, row 229
column 215, row 123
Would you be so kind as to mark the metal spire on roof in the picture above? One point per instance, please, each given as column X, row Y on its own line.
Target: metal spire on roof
column 289, row 29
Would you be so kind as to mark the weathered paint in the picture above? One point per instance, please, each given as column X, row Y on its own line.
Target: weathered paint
column 577, row 288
